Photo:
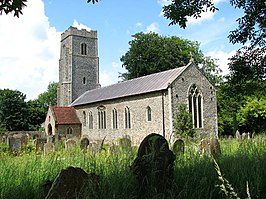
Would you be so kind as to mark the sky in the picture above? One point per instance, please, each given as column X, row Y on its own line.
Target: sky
column 30, row 44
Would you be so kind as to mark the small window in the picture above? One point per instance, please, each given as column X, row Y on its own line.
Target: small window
column 69, row 131
column 84, row 80
column 84, row 49
column 149, row 113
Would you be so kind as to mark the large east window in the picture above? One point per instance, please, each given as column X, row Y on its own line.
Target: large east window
column 195, row 104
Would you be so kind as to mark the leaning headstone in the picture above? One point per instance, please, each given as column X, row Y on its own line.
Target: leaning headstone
column 48, row 148
column 84, row 143
column 74, row 183
column 179, row 147
column 215, row 149
column 253, row 135
column 238, row 136
column 154, row 166
column 70, row 144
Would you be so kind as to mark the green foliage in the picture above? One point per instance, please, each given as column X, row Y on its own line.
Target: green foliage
column 183, row 123
column 252, row 115
column 251, row 27
column 12, row 110
column 151, row 53
column 49, row 97
column 194, row 175
column 15, row 6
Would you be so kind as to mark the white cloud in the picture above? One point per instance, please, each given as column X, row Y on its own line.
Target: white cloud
column 222, row 59
column 80, row 26
column 110, row 75
column 29, row 51
column 154, row 27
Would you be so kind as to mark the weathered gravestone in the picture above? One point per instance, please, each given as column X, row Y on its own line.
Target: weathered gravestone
column 124, row 143
column 215, row 149
column 154, row 166
column 95, row 146
column 39, row 144
column 48, row 148
column 244, row 136
column 70, row 144
column 84, row 143
column 179, row 147
column 73, row 183
column 238, row 136
column 14, row 144
column 204, row 146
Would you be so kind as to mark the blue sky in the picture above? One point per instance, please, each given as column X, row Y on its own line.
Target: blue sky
column 30, row 45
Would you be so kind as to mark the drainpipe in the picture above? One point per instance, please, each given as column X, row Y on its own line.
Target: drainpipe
column 163, row 114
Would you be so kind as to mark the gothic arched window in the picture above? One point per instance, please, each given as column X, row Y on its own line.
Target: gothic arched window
column 90, row 120
column 69, row 131
column 84, row 119
column 101, row 117
column 127, row 118
column 195, row 106
column 114, row 113
column 84, row 49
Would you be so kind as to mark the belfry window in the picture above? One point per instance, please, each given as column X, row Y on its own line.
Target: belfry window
column 84, row 80
column 195, row 106
column 84, row 49
column 114, row 113
column 101, row 117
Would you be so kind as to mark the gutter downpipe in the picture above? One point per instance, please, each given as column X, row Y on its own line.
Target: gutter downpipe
column 163, row 114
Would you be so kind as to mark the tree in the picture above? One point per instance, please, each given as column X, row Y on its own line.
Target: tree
column 151, row 53
column 13, row 110
column 183, row 123
column 251, row 27
column 49, row 97
column 252, row 115
column 9, row 6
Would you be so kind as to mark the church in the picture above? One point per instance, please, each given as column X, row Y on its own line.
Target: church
column 131, row 109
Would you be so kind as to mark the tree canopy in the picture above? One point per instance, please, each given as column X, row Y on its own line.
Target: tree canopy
column 151, row 53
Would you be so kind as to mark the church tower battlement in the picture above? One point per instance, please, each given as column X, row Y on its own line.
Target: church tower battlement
column 78, row 64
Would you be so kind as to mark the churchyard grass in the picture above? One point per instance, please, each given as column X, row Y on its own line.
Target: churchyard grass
column 195, row 176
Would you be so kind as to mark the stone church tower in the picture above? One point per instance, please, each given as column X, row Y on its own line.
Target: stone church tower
column 78, row 65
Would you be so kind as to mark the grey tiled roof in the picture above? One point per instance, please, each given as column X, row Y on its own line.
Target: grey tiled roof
column 145, row 84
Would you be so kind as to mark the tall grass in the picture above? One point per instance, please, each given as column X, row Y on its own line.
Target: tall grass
column 195, row 175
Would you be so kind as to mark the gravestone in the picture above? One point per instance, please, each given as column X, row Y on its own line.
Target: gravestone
column 249, row 135
column 124, row 143
column 39, row 144
column 70, row 144
column 238, row 136
column 179, row 147
column 244, row 136
column 215, row 149
column 84, row 143
column 253, row 135
column 48, row 148
column 23, row 138
column 204, row 146
column 95, row 146
column 74, row 183
column 14, row 144
column 154, row 166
